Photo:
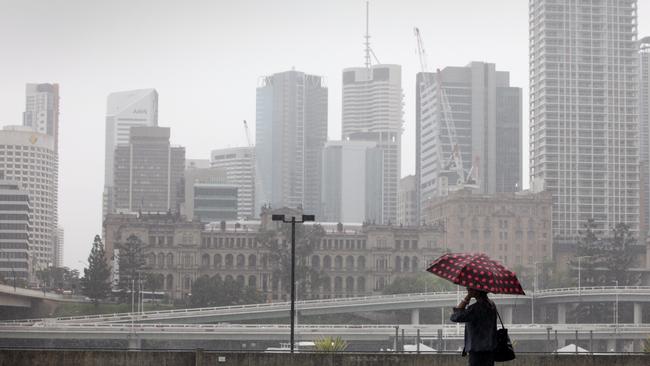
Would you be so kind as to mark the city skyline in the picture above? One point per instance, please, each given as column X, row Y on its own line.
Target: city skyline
column 82, row 104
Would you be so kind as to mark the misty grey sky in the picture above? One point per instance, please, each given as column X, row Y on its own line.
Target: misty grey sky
column 205, row 58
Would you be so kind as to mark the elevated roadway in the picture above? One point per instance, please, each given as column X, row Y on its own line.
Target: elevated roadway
column 559, row 298
column 378, row 333
column 24, row 298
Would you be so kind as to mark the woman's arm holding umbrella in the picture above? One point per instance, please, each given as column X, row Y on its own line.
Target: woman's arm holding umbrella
column 461, row 314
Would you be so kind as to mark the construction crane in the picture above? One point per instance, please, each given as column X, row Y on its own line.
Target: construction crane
column 455, row 160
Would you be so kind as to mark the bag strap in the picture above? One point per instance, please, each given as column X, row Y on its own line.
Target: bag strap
column 501, row 321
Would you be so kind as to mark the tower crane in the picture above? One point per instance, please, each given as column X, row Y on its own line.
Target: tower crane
column 455, row 161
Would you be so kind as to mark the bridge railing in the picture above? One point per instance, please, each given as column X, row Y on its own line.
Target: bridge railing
column 304, row 304
column 396, row 297
column 590, row 289
column 311, row 328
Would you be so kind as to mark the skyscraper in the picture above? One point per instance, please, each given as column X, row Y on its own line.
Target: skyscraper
column 29, row 158
column 407, row 202
column 148, row 173
column 485, row 117
column 125, row 110
column 291, row 130
column 238, row 163
column 584, row 129
column 42, row 110
column 644, row 123
column 42, row 116
column 372, row 111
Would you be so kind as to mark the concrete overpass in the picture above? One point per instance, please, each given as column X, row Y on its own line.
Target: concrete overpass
column 27, row 298
column 624, row 337
column 559, row 299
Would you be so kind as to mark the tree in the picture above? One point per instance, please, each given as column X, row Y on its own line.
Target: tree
column 278, row 244
column 589, row 255
column 131, row 263
column 603, row 262
column 213, row 291
column 154, row 282
column 619, row 256
column 423, row 282
column 96, row 280
column 59, row 278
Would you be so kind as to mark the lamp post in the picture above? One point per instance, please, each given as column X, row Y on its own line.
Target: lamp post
column 579, row 277
column 532, row 298
column 293, row 223
column 616, row 307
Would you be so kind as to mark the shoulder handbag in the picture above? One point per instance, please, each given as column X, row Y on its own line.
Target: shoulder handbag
column 504, row 351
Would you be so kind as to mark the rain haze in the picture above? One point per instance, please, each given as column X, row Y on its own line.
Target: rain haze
column 376, row 158
column 205, row 59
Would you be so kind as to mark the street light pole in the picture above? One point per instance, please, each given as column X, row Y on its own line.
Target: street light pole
column 532, row 298
column 292, row 312
column 616, row 307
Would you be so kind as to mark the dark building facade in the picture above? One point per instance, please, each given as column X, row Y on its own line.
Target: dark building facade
column 149, row 172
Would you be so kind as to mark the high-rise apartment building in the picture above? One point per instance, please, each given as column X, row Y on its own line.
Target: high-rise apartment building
column 148, row 173
column 485, row 117
column 59, row 243
column 372, row 111
column 42, row 116
column 584, row 129
column 239, row 165
column 42, row 110
column 14, row 231
column 291, row 130
column 351, row 182
column 125, row 110
column 29, row 158
column 407, row 202
column 644, row 124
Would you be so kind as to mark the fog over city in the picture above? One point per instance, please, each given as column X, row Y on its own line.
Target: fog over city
column 205, row 59
column 374, row 159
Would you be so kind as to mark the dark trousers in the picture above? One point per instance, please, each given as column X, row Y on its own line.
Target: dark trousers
column 481, row 358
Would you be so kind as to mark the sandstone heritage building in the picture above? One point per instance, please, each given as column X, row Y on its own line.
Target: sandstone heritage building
column 354, row 260
column 514, row 228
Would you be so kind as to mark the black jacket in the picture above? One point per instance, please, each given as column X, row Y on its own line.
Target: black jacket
column 480, row 321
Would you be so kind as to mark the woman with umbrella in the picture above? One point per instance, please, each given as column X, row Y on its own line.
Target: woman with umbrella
column 480, row 275
column 480, row 327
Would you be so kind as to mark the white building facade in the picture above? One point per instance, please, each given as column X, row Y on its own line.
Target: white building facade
column 644, row 124
column 407, row 202
column 372, row 111
column 291, row 130
column 584, row 128
column 351, row 182
column 29, row 158
column 239, row 165
column 42, row 110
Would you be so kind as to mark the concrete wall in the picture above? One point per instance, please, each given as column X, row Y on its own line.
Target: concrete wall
column 126, row 358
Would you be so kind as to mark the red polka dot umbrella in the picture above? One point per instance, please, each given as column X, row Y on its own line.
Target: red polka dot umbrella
column 477, row 271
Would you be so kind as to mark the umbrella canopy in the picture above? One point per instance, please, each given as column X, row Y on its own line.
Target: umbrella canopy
column 477, row 271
